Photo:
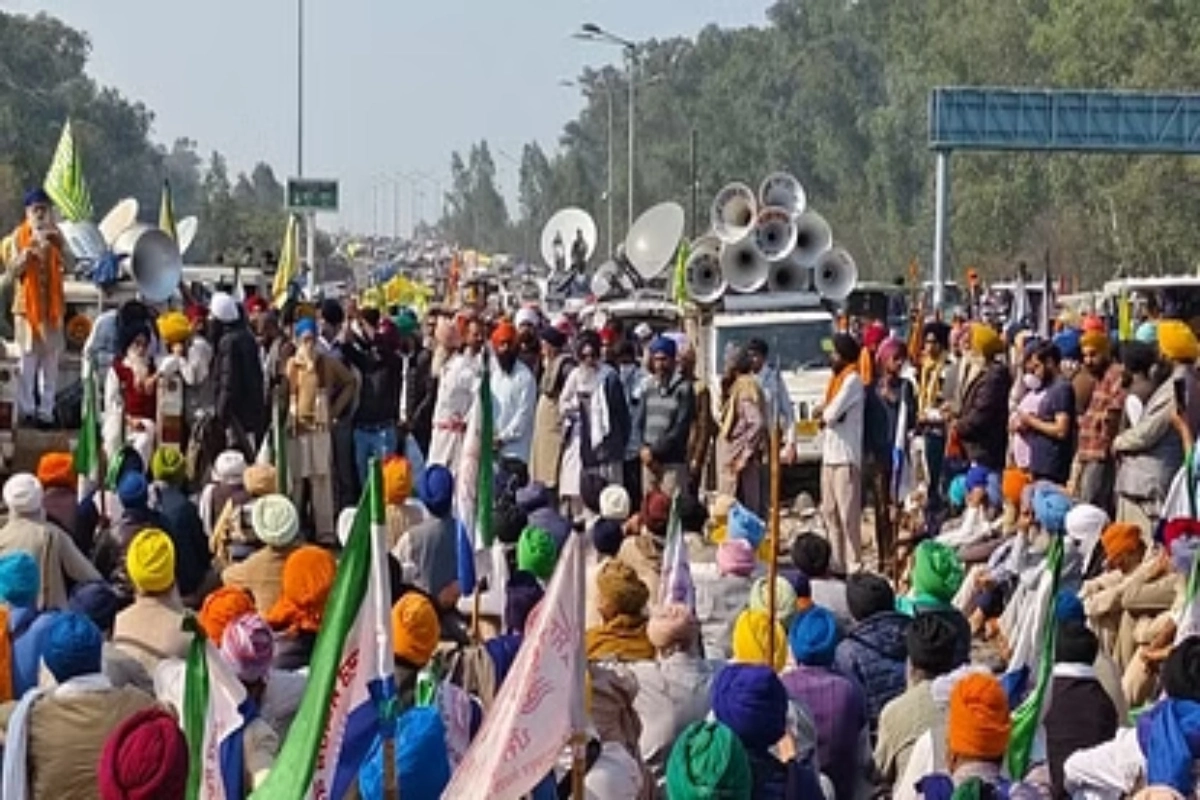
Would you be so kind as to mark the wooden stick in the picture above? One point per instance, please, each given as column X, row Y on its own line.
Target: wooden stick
column 475, row 613
column 391, row 781
column 578, row 766
column 773, row 566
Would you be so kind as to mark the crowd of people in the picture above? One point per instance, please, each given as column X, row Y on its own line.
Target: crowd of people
column 1035, row 531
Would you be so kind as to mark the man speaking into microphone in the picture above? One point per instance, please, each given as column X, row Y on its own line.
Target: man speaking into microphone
column 33, row 260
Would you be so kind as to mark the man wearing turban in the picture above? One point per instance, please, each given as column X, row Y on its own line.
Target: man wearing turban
column 1095, row 467
column 151, row 629
column 557, row 363
column 667, row 413
column 131, row 397
column 622, row 604
column 321, row 390
column 981, row 427
column 34, row 258
column 841, row 418
column 514, row 395
column 456, row 393
column 977, row 730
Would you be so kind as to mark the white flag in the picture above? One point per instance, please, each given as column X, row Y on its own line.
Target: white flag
column 531, row 720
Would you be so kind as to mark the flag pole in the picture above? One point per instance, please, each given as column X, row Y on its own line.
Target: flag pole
column 773, row 531
column 580, row 738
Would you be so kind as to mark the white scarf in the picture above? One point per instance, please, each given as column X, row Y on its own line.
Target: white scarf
column 16, row 746
column 598, row 420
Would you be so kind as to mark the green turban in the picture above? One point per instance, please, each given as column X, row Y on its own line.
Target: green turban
column 536, row 553
column 707, row 762
column 937, row 571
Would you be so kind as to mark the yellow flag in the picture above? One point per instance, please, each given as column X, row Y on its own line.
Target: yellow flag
column 1124, row 318
column 64, row 182
column 289, row 263
column 166, row 212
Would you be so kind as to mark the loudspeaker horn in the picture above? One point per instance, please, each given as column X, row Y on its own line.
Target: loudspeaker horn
column 84, row 240
column 775, row 233
column 652, row 241
column 835, row 274
column 783, row 190
column 702, row 273
column 153, row 261
column 734, row 212
column 120, row 217
column 814, row 237
column 744, row 267
column 789, row 275
column 565, row 225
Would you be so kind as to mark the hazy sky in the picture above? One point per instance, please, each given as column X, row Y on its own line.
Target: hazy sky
column 391, row 85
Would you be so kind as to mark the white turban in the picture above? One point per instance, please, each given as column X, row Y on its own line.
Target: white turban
column 526, row 316
column 276, row 523
column 614, row 503
column 1084, row 524
column 230, row 467
column 224, row 308
column 23, row 494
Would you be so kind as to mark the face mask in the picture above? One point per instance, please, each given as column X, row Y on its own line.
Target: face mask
column 1032, row 382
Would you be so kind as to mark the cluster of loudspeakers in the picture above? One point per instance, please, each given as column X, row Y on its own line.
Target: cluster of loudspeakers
column 770, row 240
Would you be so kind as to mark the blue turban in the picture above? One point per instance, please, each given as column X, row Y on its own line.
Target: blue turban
column 1067, row 343
column 521, row 595
column 977, row 478
column 532, row 497
column 751, row 700
column 306, row 326
column 422, row 763
column 1068, row 607
column 662, row 346
column 1147, row 332
column 406, row 322
column 73, row 647
column 745, row 524
column 957, row 493
column 20, row 579
column 97, row 601
column 37, row 197
column 132, row 490
column 436, row 489
column 1050, row 507
column 814, row 637
column 607, row 536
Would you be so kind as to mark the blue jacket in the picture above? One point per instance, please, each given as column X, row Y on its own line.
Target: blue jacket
column 873, row 653
column 27, row 629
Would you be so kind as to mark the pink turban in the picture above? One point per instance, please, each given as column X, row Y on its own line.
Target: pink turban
column 735, row 557
column 889, row 348
column 249, row 646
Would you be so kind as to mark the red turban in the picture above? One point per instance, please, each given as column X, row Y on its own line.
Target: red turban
column 144, row 758
column 874, row 335
column 256, row 304
column 505, row 333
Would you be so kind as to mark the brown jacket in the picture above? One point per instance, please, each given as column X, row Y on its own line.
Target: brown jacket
column 704, row 429
column 332, row 376
column 67, row 735
column 57, row 557
column 261, row 574
column 151, row 630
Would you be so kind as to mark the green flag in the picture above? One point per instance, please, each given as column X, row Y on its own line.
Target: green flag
column 486, row 477
column 679, row 293
column 87, row 449
column 1028, row 716
column 64, row 181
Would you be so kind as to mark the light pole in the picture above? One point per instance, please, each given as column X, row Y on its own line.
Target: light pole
column 592, row 32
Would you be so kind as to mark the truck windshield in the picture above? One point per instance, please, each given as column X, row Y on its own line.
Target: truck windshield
column 793, row 345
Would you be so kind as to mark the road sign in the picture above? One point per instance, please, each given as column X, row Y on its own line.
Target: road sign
column 309, row 194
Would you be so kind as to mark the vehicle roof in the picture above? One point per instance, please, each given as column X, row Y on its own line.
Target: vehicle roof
column 1155, row 282
column 751, row 318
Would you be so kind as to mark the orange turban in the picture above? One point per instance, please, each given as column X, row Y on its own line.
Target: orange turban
column 397, row 480
column 222, row 607
column 416, row 629
column 978, row 724
column 1096, row 340
column 1013, row 485
column 505, row 333
column 56, row 469
column 307, row 579
column 1120, row 539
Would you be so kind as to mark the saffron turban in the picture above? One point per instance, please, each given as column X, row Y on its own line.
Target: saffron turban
column 1177, row 342
column 1096, row 340
column 56, row 469
column 504, row 334
column 307, row 580
column 1013, row 483
column 978, row 724
column 416, row 629
column 397, row 480
column 1120, row 539
column 221, row 607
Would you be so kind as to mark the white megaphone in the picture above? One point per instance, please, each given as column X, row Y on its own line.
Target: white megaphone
column 789, row 275
column 702, row 273
column 734, row 212
column 775, row 233
column 813, row 237
column 782, row 190
column 743, row 266
column 835, row 274
column 153, row 260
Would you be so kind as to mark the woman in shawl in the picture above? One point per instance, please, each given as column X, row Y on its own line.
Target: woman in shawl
column 740, row 438
column 595, row 421
column 455, row 396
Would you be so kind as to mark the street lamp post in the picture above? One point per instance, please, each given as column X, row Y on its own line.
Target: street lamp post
column 594, row 33
column 310, row 219
column 608, row 191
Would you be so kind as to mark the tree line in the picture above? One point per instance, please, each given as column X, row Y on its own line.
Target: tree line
column 836, row 92
column 43, row 82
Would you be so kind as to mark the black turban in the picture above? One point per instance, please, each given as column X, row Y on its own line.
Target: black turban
column 1075, row 644
column 847, row 347
column 1181, row 672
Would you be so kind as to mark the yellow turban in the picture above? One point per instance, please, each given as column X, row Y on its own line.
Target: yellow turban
column 1096, row 340
column 150, row 561
column 985, row 341
column 1177, row 342
column 173, row 327
column 751, row 639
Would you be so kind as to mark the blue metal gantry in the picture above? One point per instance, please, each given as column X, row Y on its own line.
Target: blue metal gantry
column 1093, row 121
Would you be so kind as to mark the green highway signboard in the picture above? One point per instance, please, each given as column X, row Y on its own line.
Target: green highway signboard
column 308, row 194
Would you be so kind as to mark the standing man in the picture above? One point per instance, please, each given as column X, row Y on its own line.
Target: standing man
column 1095, row 466
column 557, row 364
column 841, row 457
column 373, row 352
column 415, row 425
column 668, row 408
column 332, row 319
column 1052, row 429
column 779, row 412
column 238, row 374
column 513, row 396
column 33, row 256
